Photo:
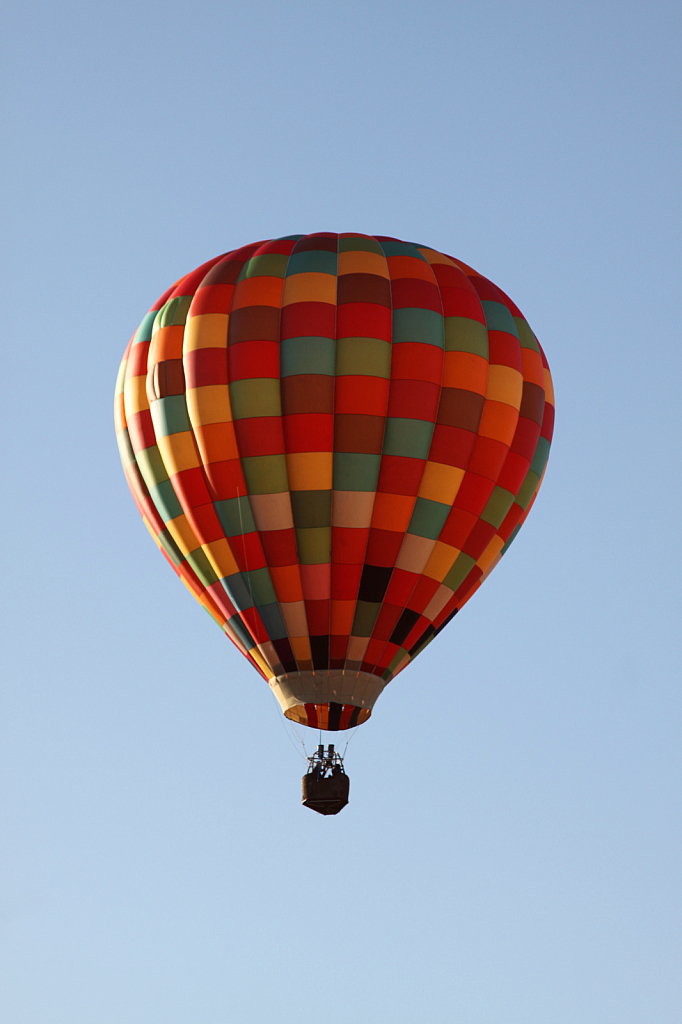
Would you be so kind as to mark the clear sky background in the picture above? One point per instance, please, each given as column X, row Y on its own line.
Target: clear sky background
column 512, row 854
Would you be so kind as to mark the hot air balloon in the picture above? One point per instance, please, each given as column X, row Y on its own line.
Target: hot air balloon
column 333, row 439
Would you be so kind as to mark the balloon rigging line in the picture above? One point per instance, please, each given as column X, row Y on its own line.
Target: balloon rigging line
column 280, row 718
column 300, row 739
column 350, row 738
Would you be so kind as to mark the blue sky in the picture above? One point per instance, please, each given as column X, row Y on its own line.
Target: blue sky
column 509, row 855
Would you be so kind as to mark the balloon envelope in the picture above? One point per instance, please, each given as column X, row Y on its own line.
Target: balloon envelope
column 333, row 438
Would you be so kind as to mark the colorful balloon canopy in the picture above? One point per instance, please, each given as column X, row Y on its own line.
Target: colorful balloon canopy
column 333, row 439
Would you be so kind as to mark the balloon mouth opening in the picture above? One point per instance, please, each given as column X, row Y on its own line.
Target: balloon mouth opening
column 330, row 717
column 332, row 699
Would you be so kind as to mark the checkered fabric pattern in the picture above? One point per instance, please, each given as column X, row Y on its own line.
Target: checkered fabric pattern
column 333, row 439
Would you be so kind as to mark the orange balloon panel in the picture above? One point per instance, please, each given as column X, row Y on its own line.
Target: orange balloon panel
column 333, row 439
